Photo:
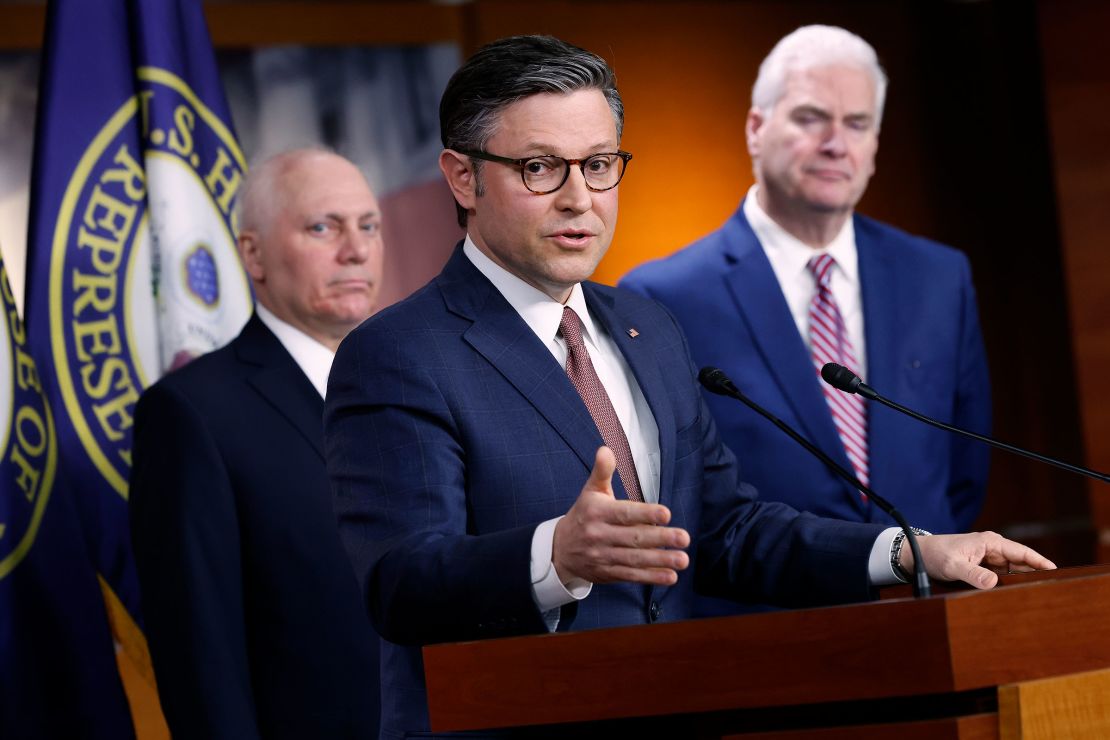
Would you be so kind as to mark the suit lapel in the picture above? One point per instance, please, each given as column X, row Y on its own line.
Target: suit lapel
column 640, row 357
column 505, row 340
column 275, row 376
column 640, row 354
column 878, row 277
column 502, row 337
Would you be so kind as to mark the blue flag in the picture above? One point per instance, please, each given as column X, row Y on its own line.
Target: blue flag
column 132, row 267
column 58, row 674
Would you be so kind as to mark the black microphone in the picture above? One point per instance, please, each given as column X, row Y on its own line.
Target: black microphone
column 843, row 379
column 715, row 380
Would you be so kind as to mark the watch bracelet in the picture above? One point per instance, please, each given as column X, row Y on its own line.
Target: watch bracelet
column 896, row 552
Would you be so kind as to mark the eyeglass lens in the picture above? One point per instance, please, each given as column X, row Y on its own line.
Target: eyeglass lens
column 544, row 174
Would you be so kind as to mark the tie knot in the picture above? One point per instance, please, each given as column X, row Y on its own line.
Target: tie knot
column 570, row 327
column 821, row 266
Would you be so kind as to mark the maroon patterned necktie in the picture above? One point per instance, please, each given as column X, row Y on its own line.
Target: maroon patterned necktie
column 829, row 342
column 581, row 372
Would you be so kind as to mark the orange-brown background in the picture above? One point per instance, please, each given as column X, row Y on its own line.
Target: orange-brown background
column 995, row 141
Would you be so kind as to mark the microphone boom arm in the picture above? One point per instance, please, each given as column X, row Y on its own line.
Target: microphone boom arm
column 845, row 380
column 714, row 380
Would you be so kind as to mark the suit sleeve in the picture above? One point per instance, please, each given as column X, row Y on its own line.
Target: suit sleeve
column 399, row 479
column 767, row 552
column 970, row 459
column 186, row 539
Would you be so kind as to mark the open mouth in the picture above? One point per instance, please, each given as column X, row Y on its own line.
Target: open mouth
column 573, row 237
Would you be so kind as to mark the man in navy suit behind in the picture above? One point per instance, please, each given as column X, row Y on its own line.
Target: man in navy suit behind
column 748, row 299
column 514, row 449
column 251, row 608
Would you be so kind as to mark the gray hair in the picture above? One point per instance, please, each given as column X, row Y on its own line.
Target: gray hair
column 816, row 46
column 510, row 69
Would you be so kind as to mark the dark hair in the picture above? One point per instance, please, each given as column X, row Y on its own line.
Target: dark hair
column 510, row 69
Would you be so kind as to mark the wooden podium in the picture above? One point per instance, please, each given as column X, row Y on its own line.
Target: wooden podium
column 1024, row 657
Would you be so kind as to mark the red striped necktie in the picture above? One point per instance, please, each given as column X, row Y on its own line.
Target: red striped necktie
column 828, row 341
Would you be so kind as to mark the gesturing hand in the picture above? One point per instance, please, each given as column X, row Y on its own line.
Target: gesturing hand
column 975, row 558
column 603, row 540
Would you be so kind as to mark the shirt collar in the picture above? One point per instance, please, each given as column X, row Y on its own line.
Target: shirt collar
column 313, row 358
column 540, row 311
column 794, row 254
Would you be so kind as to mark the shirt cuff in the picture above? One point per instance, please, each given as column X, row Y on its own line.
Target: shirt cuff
column 547, row 588
column 878, row 566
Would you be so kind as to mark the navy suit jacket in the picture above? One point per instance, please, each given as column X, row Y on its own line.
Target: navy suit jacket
column 252, row 611
column 924, row 350
column 452, row 431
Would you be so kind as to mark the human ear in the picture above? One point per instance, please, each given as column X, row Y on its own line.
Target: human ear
column 458, row 170
column 250, row 252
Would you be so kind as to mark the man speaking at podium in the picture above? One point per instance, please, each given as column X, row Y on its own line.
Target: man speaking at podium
column 514, row 450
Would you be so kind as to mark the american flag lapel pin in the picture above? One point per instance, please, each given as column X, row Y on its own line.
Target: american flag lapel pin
column 632, row 332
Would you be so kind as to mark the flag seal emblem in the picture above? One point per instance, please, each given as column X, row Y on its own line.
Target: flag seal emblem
column 144, row 239
column 201, row 275
column 28, row 443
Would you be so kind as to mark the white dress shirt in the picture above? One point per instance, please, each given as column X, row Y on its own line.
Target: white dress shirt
column 313, row 358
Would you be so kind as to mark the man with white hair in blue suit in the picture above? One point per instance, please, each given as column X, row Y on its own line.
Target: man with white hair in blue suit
column 795, row 278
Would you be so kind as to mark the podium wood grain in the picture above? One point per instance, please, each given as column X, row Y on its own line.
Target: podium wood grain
column 1031, row 627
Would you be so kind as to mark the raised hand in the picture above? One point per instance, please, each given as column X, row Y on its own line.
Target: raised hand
column 603, row 540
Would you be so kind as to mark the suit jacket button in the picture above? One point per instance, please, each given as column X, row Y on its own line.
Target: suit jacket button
column 654, row 612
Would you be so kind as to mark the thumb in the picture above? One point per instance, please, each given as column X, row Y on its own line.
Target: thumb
column 980, row 577
column 601, row 477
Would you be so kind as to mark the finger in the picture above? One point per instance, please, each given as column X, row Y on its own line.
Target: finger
column 624, row 574
column 642, row 559
column 601, row 476
column 630, row 513
column 648, row 537
column 1015, row 555
column 979, row 577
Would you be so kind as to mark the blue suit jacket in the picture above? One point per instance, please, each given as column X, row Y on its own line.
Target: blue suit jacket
column 452, row 431
column 924, row 350
column 252, row 612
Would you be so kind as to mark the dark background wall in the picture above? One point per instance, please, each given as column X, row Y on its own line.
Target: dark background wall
column 1076, row 77
column 994, row 141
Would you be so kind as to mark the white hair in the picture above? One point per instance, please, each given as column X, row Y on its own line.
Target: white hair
column 263, row 192
column 816, row 46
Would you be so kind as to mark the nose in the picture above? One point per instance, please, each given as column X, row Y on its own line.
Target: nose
column 834, row 143
column 574, row 196
column 356, row 245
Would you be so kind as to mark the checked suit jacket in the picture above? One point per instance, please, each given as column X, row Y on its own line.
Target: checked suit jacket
column 451, row 432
